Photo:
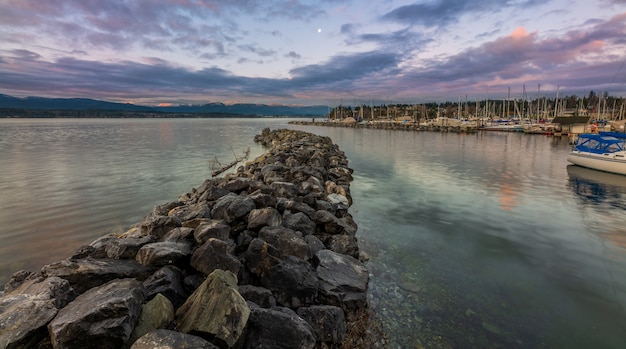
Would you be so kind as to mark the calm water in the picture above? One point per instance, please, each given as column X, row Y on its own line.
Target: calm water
column 487, row 240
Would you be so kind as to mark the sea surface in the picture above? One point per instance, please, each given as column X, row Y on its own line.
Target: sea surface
column 485, row 240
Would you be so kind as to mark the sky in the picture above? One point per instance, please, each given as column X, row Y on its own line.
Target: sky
column 311, row 52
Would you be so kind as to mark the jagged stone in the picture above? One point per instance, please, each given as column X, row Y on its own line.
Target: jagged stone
column 104, row 315
column 167, row 281
column 232, row 207
column 215, row 228
column 278, row 328
column 262, row 199
column 157, row 226
column 126, row 248
column 260, row 296
column 264, row 217
column 261, row 256
column 26, row 309
column 289, row 242
column 163, row 253
column 215, row 309
column 213, row 255
column 189, row 212
column 284, row 189
column 167, row 339
column 294, row 206
column 178, row 234
column 344, row 244
column 328, row 322
column 156, row 314
column 299, row 222
column 315, row 244
column 84, row 274
column 342, row 280
column 293, row 282
column 330, row 224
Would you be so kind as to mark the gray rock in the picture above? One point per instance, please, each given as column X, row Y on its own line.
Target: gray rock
column 232, row 207
column 237, row 185
column 215, row 228
column 126, row 248
column 299, row 222
column 344, row 244
column 84, row 274
column 330, row 224
column 104, row 315
column 166, row 339
column 293, row 282
column 342, row 280
column 287, row 241
column 189, row 212
column 26, row 310
column 264, row 217
column 213, row 255
column 178, row 234
column 260, row 296
column 167, row 281
column 263, row 199
column 315, row 244
column 294, row 206
column 278, row 328
column 159, row 254
column 215, row 309
column 157, row 226
column 284, row 189
column 261, row 256
column 328, row 322
column 156, row 314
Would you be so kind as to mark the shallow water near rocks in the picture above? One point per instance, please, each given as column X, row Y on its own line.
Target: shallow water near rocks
column 486, row 240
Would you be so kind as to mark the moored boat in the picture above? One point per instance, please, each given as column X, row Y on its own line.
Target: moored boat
column 604, row 152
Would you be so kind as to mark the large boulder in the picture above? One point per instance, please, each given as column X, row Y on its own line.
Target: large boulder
column 126, row 248
column 342, row 279
column 26, row 310
column 215, row 309
column 105, row 315
column 159, row 254
column 278, row 328
column 232, row 207
column 328, row 322
column 289, row 242
column 293, row 282
column 264, row 217
column 214, row 255
column 214, row 228
column 84, row 274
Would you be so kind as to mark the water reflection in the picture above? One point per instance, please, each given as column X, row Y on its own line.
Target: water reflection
column 595, row 187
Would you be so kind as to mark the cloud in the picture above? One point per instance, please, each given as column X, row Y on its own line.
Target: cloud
column 440, row 13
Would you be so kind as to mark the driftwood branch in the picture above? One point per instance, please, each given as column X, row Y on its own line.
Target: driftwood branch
column 218, row 168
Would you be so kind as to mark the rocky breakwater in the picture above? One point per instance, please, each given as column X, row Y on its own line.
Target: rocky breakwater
column 265, row 257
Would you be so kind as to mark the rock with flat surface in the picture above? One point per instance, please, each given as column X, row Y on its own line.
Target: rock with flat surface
column 164, row 253
column 84, row 274
column 104, row 315
column 278, row 328
column 156, row 314
column 26, row 310
column 343, row 280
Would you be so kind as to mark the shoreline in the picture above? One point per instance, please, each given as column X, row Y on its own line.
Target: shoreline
column 271, row 247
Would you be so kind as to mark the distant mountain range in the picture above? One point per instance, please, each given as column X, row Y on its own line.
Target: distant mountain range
column 41, row 103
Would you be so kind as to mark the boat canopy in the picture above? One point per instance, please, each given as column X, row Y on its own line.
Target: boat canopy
column 599, row 143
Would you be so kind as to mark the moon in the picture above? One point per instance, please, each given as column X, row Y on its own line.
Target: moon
column 319, row 30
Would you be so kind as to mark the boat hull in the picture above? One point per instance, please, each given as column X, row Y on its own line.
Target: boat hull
column 611, row 162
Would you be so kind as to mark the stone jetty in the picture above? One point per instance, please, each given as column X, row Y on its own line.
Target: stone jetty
column 264, row 257
column 392, row 125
